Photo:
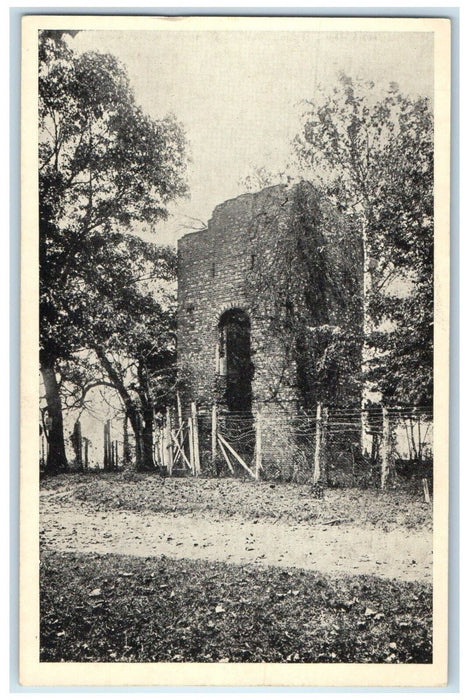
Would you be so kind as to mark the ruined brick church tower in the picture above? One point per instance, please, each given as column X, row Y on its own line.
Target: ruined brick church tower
column 268, row 264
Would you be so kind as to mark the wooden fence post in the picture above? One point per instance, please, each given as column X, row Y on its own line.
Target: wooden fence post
column 106, row 460
column 190, row 424
column 419, row 437
column 179, row 407
column 108, row 456
column 323, row 461
column 214, row 435
column 366, row 440
column 318, row 445
column 181, row 426
column 195, row 436
column 77, row 444
column 86, row 452
column 80, row 445
column 258, row 448
column 169, row 441
column 225, row 455
column 116, row 454
column 127, row 455
column 156, row 446
column 162, row 446
column 235, row 455
column 386, row 448
column 109, row 445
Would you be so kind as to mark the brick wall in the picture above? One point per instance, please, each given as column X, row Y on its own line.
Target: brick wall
column 217, row 270
column 214, row 266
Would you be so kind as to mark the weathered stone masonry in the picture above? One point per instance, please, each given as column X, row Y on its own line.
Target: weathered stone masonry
column 216, row 270
column 213, row 268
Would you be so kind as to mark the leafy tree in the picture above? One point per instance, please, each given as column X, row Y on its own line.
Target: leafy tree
column 402, row 245
column 134, row 340
column 103, row 167
column 373, row 156
column 131, row 333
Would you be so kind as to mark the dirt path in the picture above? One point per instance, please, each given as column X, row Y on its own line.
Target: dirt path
column 341, row 549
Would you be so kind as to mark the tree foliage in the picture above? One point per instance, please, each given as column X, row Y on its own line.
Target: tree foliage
column 372, row 154
column 135, row 341
column 104, row 167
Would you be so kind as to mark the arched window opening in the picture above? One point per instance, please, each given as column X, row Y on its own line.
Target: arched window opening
column 234, row 360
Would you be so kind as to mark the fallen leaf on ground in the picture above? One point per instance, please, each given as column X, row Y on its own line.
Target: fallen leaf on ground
column 369, row 612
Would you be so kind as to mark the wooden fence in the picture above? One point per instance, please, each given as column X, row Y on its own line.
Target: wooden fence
column 208, row 440
column 322, row 446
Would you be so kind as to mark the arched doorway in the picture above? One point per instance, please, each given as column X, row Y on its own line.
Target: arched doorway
column 235, row 365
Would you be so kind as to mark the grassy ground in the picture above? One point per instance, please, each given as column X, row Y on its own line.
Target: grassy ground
column 401, row 506
column 114, row 608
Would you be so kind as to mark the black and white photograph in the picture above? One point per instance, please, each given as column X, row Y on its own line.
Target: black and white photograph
column 235, row 270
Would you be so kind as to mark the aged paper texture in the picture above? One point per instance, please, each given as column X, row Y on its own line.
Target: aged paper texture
column 238, row 88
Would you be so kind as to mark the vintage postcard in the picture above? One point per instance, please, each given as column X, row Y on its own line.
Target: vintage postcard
column 235, row 351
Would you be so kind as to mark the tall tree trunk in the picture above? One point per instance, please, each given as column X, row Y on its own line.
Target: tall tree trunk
column 126, row 451
column 147, row 439
column 136, row 423
column 147, row 415
column 56, row 457
column 365, row 436
column 141, row 463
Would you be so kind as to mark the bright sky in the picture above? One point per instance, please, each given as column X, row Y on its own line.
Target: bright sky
column 238, row 94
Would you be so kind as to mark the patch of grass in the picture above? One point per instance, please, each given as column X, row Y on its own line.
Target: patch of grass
column 115, row 608
column 226, row 497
